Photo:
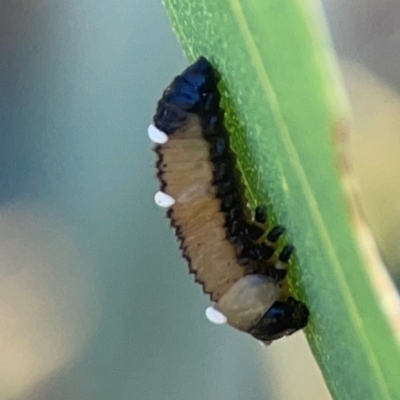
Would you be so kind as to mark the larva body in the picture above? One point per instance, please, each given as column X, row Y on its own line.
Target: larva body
column 231, row 257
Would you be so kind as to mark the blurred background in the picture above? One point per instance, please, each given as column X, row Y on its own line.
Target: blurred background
column 95, row 301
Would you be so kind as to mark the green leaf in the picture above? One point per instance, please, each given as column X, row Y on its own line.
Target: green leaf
column 285, row 109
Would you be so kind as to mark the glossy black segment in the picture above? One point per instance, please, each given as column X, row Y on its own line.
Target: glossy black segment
column 275, row 233
column 282, row 319
column 182, row 94
column 286, row 252
column 202, row 75
column 169, row 117
column 260, row 214
column 201, row 82
column 192, row 91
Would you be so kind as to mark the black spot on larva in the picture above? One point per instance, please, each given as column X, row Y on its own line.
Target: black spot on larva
column 275, row 233
column 260, row 215
column 285, row 253
column 195, row 92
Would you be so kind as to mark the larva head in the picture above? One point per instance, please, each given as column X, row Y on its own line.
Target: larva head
column 193, row 91
column 245, row 303
column 282, row 319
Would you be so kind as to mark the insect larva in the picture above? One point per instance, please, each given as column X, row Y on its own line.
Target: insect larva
column 233, row 258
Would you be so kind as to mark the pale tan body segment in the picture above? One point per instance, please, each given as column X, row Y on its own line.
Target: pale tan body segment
column 188, row 170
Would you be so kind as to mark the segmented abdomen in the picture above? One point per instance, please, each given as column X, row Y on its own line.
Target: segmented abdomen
column 186, row 173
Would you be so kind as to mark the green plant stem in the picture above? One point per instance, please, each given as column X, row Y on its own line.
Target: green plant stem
column 284, row 104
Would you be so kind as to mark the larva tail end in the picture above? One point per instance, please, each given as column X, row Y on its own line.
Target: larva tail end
column 282, row 319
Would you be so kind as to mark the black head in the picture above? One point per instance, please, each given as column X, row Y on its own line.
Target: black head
column 282, row 319
column 169, row 117
column 201, row 75
column 193, row 91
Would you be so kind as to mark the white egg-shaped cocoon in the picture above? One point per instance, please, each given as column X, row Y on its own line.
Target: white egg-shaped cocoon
column 164, row 200
column 214, row 316
column 156, row 135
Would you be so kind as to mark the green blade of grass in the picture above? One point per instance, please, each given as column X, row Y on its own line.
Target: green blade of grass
column 284, row 108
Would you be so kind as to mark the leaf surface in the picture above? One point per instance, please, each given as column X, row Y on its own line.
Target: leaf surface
column 285, row 110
